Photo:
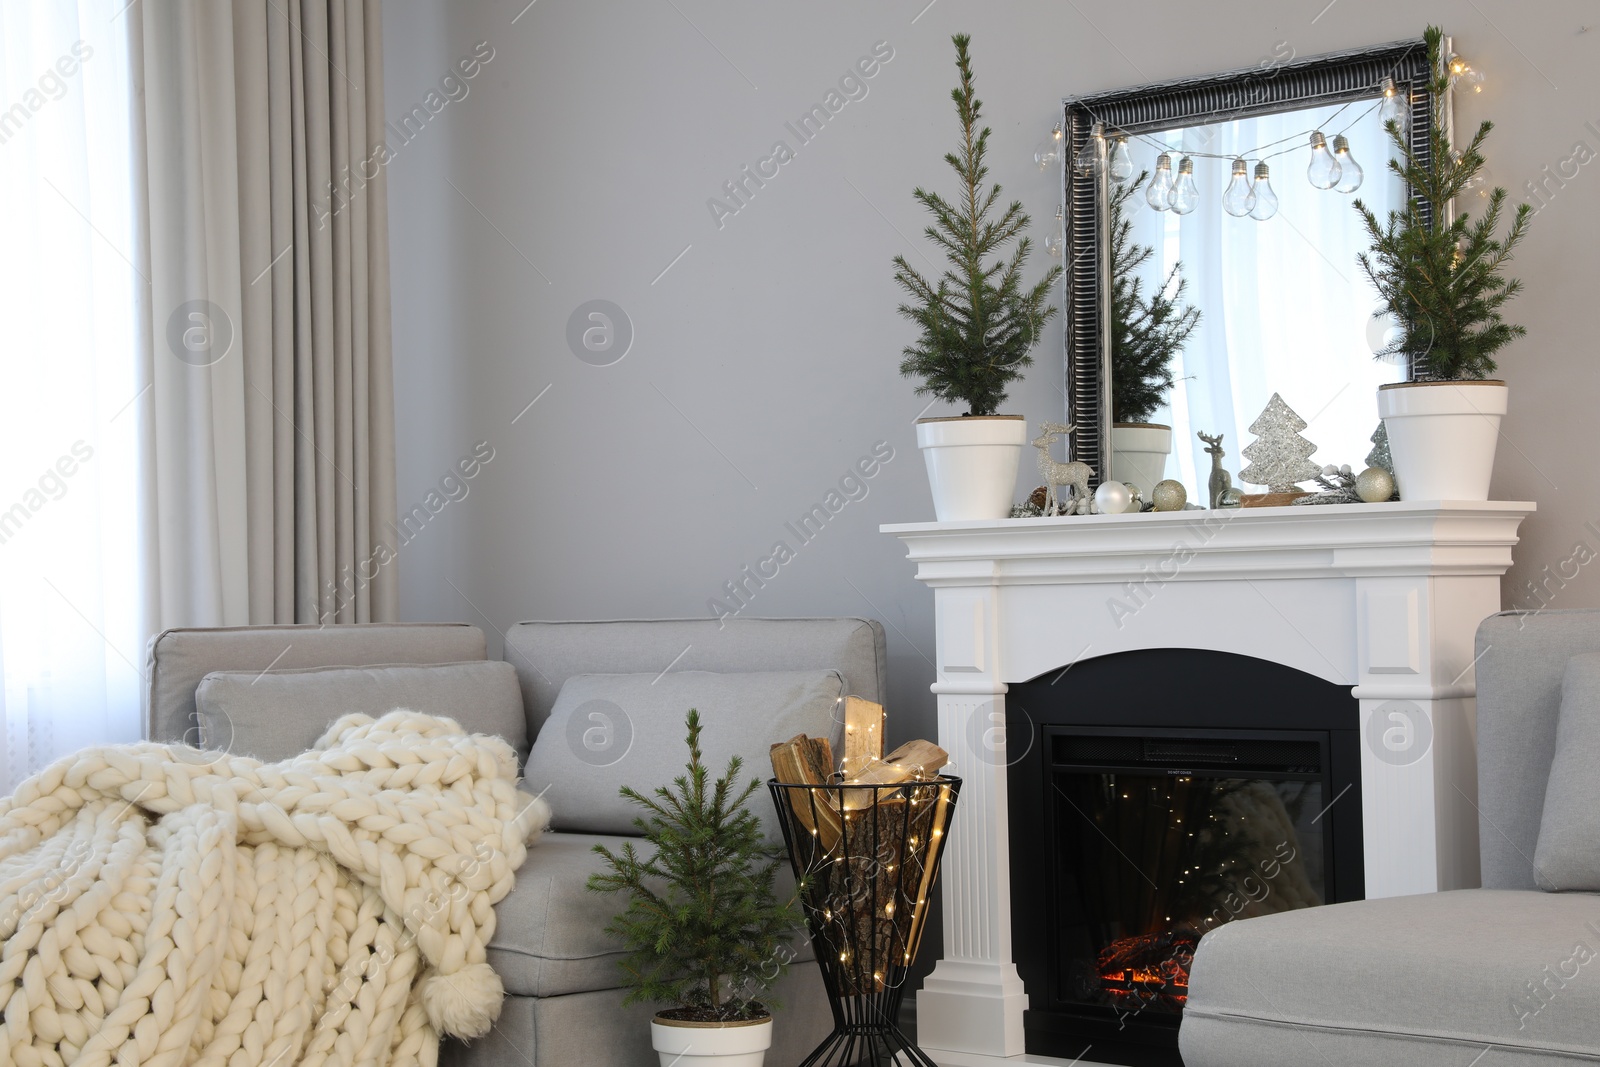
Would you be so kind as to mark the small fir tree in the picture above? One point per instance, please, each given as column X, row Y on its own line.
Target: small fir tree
column 1147, row 331
column 1442, row 278
column 702, row 927
column 978, row 321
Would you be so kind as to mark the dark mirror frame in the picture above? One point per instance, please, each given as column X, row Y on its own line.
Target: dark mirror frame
column 1266, row 88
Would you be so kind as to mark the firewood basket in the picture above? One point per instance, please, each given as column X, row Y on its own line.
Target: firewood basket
column 866, row 858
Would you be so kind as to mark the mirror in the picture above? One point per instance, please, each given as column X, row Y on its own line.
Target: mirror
column 1271, row 305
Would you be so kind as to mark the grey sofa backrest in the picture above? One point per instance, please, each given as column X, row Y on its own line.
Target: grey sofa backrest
column 546, row 654
column 177, row 660
column 1521, row 657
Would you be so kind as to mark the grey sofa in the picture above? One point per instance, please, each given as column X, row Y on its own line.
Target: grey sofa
column 1502, row 976
column 564, row 1005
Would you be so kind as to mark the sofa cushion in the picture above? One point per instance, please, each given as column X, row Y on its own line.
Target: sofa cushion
column 1568, row 853
column 176, row 660
column 546, row 654
column 611, row 730
column 1419, row 980
column 277, row 714
column 550, row 931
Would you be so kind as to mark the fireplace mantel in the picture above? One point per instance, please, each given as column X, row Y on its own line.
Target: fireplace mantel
column 1385, row 598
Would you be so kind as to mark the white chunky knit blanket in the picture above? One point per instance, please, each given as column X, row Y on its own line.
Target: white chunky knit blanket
column 160, row 905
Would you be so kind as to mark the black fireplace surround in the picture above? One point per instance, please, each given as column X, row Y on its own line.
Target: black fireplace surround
column 1155, row 795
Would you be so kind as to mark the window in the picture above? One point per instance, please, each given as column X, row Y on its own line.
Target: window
column 70, row 592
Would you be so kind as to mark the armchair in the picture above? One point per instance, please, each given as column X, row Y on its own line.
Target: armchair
column 1496, row 977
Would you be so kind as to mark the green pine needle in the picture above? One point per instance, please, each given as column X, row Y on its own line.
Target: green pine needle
column 1147, row 331
column 1444, row 280
column 702, row 927
column 978, row 322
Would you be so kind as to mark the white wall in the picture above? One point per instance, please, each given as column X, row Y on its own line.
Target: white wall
column 765, row 360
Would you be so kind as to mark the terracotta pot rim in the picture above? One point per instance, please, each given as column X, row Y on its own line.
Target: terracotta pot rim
column 1140, row 425
column 731, row 1024
column 1453, row 381
column 967, row 418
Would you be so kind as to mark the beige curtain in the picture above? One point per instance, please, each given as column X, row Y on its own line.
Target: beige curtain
column 269, row 421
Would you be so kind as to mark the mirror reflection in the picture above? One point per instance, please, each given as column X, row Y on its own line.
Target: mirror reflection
column 1248, row 275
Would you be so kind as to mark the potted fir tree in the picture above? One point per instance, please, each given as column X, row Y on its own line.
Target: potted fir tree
column 703, row 928
column 978, row 322
column 1442, row 278
column 1147, row 332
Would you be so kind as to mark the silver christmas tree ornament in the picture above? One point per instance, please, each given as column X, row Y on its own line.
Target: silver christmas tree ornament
column 1379, row 456
column 1279, row 457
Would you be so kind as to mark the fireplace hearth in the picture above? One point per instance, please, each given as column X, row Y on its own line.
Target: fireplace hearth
column 1162, row 793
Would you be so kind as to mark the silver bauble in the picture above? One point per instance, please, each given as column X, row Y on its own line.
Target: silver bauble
column 1375, row 485
column 1169, row 495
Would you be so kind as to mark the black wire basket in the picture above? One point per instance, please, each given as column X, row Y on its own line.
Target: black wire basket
column 866, row 858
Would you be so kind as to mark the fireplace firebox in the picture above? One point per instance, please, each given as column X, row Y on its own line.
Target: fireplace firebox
column 1159, row 794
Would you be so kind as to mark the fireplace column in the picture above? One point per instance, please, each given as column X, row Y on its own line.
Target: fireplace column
column 973, row 1000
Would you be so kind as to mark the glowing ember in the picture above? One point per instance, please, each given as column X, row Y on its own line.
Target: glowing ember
column 1148, row 968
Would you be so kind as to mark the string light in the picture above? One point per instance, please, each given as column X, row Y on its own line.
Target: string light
column 1049, row 151
column 1350, row 172
column 1158, row 193
column 1237, row 200
column 1395, row 106
column 1248, row 194
column 1185, row 195
column 1462, row 73
column 1054, row 245
column 1087, row 160
column 1121, row 168
column 1264, row 201
column 1323, row 170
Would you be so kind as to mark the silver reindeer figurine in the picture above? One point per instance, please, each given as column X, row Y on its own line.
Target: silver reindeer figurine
column 1221, row 480
column 1056, row 474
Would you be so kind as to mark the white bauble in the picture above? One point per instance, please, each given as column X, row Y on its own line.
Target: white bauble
column 1112, row 498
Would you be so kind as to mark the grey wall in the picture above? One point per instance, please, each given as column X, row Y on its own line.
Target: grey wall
column 764, row 362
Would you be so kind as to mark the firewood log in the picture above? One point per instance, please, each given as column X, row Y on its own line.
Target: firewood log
column 863, row 735
column 799, row 761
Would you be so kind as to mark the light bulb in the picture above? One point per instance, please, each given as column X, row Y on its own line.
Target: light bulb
column 1121, row 162
column 1048, row 152
column 1185, row 193
column 1464, row 75
column 1266, row 201
column 1350, row 172
column 1323, row 170
column 1395, row 106
column 1088, row 158
column 1057, row 240
column 1237, row 200
column 1480, row 184
column 1160, row 187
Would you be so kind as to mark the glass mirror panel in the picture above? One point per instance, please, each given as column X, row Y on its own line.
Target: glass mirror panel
column 1284, row 308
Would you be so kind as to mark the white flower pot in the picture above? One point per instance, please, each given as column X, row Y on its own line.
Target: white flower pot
column 972, row 464
column 1139, row 452
column 687, row 1044
column 1442, row 436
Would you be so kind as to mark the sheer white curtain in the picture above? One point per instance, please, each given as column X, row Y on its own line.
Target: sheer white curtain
column 72, row 619
column 1285, row 308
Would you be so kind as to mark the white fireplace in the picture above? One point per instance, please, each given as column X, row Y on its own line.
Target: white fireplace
column 1385, row 598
